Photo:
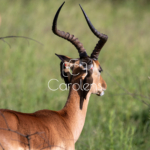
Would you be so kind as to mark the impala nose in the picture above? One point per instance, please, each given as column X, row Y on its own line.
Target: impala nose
column 100, row 93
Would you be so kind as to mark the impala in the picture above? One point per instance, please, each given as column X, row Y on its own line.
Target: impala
column 56, row 130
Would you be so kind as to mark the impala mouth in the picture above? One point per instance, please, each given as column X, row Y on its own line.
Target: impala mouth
column 100, row 93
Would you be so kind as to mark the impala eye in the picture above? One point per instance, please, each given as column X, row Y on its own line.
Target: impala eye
column 84, row 65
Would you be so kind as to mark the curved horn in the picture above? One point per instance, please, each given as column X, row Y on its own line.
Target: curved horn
column 103, row 38
column 67, row 36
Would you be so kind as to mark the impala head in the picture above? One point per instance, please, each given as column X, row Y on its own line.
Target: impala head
column 86, row 69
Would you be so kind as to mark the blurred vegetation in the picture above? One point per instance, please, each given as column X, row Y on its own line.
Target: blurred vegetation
column 119, row 119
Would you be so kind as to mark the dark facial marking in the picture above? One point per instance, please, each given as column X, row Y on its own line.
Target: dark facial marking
column 100, row 69
column 88, row 80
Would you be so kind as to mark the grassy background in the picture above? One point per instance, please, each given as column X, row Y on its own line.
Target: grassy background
column 119, row 119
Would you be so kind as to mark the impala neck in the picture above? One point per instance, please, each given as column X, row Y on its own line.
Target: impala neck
column 74, row 116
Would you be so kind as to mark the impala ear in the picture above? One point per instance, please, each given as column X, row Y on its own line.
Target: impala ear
column 86, row 86
column 63, row 58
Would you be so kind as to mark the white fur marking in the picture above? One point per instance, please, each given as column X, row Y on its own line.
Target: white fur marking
column 102, row 93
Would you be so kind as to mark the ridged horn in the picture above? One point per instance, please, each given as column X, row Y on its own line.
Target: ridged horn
column 103, row 38
column 68, row 36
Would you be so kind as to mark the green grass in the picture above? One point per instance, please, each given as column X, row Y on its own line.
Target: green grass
column 115, row 121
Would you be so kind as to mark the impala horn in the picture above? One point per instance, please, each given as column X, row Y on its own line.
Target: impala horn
column 67, row 36
column 103, row 38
